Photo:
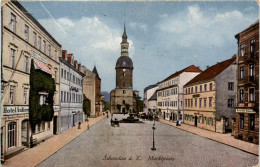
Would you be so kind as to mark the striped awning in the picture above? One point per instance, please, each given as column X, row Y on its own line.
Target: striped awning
column 43, row 67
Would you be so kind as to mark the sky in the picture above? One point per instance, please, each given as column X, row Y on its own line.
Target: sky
column 164, row 36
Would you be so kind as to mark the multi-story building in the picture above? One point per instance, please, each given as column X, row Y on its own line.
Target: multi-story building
column 24, row 39
column 149, row 91
column 247, row 112
column 170, row 93
column 71, row 96
column 209, row 98
column 92, row 89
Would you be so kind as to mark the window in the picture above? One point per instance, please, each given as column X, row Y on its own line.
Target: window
column 11, row 134
column 191, row 103
column 242, row 72
column 191, row 89
column 25, row 93
column 230, row 102
column 195, row 102
column 43, row 126
column 210, row 86
column 12, row 58
column 61, row 96
column 200, row 102
column 73, row 78
column 123, row 101
column 68, row 76
column 62, row 73
column 64, row 96
column 251, row 73
column 65, row 74
column 251, row 95
column 13, row 22
column 43, row 97
column 241, row 95
column 252, row 121
column 231, row 86
column 205, row 103
column 196, row 89
column 242, row 50
column 200, row 88
column 252, row 47
column 186, row 103
column 26, row 33
column 44, row 46
column 205, row 87
column 241, row 121
column 210, row 102
column 124, row 91
column 11, row 99
column 68, row 97
column 39, row 42
column 55, row 55
column 49, row 50
column 26, row 64
column 34, row 39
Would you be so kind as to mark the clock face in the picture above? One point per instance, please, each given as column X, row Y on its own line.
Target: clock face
column 124, row 70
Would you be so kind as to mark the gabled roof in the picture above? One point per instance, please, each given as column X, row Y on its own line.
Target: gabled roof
column 154, row 96
column 191, row 68
column 150, row 87
column 212, row 71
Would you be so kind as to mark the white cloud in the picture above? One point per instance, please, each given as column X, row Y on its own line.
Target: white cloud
column 193, row 27
column 89, row 39
column 135, row 25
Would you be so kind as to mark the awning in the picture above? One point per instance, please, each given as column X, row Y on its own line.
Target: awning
column 43, row 67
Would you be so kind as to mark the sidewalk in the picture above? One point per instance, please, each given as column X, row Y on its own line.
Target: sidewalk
column 218, row 137
column 42, row 151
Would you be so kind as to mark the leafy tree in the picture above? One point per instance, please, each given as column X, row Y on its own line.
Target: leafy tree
column 87, row 106
column 107, row 106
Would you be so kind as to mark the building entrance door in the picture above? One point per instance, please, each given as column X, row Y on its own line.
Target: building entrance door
column 163, row 115
column 55, row 124
column 25, row 133
column 196, row 119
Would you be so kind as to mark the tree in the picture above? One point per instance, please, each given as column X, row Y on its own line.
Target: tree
column 107, row 106
column 87, row 106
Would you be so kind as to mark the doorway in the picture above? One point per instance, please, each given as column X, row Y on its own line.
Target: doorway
column 196, row 121
column 55, row 125
column 163, row 115
column 25, row 133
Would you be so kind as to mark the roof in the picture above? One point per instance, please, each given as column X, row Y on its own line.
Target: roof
column 255, row 23
column 71, row 66
column 16, row 3
column 95, row 71
column 191, row 68
column 124, row 62
column 150, row 87
column 154, row 96
column 212, row 71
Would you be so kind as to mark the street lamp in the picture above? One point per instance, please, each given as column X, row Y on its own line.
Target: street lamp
column 153, row 148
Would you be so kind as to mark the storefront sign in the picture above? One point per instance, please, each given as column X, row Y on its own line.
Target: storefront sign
column 56, row 108
column 38, row 57
column 245, row 110
column 12, row 110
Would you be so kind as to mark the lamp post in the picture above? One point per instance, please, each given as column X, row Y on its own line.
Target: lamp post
column 153, row 148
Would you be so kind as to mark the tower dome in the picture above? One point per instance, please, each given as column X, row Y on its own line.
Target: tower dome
column 124, row 62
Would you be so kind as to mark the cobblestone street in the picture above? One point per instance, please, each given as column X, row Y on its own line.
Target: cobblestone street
column 130, row 145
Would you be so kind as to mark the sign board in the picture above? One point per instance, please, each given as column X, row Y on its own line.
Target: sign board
column 38, row 57
column 13, row 110
column 56, row 108
column 245, row 110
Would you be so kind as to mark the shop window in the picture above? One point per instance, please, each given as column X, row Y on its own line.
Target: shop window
column 11, row 134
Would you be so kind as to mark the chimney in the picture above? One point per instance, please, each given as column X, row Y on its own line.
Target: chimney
column 79, row 66
column 207, row 67
column 69, row 58
column 64, row 54
column 75, row 63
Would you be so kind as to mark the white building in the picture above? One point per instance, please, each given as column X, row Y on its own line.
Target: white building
column 150, row 104
column 71, row 96
column 170, row 93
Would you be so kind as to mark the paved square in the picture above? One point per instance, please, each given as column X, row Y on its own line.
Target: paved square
column 130, row 145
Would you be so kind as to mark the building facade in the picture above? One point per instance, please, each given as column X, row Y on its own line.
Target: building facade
column 71, row 96
column 170, row 93
column 122, row 97
column 24, row 39
column 209, row 98
column 247, row 112
column 149, row 91
column 98, row 101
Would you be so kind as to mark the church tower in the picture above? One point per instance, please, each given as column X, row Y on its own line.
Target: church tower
column 121, row 98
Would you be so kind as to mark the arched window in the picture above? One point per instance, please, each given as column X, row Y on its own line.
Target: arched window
column 11, row 134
